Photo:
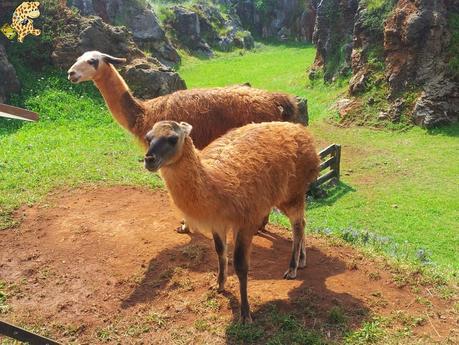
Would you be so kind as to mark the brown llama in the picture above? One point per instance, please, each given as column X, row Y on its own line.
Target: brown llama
column 212, row 112
column 234, row 182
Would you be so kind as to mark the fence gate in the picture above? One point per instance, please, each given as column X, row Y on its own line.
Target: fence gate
column 331, row 157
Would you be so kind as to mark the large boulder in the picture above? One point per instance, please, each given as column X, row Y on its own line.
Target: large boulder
column 82, row 34
column 139, row 18
column 187, row 28
column 9, row 82
column 438, row 103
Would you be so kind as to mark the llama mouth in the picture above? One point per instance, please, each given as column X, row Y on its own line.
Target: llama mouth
column 74, row 80
column 152, row 167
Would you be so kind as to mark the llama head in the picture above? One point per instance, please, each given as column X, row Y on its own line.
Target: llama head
column 165, row 143
column 90, row 65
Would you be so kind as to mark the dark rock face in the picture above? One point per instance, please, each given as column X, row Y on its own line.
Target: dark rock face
column 187, row 27
column 139, row 19
column 283, row 19
column 438, row 103
column 333, row 35
column 202, row 27
column 416, row 42
column 415, row 38
column 9, row 82
column 91, row 33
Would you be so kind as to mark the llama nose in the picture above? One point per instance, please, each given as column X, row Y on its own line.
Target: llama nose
column 72, row 73
column 150, row 158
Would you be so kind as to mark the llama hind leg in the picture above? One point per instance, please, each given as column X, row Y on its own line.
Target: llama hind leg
column 297, row 246
column 241, row 255
column 221, row 249
column 302, row 263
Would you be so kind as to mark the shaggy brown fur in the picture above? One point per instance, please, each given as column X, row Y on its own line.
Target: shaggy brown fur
column 212, row 112
column 235, row 181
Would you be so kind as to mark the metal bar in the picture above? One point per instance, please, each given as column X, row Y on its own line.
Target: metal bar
column 21, row 334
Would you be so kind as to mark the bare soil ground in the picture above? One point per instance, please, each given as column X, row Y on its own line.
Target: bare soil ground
column 99, row 265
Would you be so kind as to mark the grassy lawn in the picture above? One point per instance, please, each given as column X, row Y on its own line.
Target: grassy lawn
column 400, row 185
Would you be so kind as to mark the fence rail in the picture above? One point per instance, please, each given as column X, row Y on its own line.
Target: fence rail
column 331, row 159
column 23, row 335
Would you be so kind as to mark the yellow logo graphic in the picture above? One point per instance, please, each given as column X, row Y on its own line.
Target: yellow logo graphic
column 8, row 31
column 22, row 23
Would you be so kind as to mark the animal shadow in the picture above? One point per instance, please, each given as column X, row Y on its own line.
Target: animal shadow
column 311, row 301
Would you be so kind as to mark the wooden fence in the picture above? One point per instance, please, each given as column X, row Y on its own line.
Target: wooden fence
column 331, row 157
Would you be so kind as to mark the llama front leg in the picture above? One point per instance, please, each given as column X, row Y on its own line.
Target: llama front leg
column 297, row 249
column 221, row 249
column 241, row 266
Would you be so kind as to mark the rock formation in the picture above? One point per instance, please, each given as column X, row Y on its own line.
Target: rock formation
column 139, row 18
column 147, row 76
column 404, row 44
column 9, row 82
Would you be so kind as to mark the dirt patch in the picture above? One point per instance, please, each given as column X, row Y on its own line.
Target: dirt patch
column 105, row 265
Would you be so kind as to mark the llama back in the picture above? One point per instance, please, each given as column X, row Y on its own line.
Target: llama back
column 213, row 112
column 276, row 158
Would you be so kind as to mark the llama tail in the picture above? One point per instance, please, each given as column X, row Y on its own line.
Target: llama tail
column 294, row 109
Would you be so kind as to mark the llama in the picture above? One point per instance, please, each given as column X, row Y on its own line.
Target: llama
column 212, row 112
column 234, row 182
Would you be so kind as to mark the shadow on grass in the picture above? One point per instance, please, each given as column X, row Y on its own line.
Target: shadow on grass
column 447, row 130
column 332, row 193
column 300, row 318
column 9, row 126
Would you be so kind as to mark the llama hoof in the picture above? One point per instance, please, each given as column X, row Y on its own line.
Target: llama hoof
column 218, row 288
column 246, row 320
column 183, row 229
column 302, row 265
column 290, row 274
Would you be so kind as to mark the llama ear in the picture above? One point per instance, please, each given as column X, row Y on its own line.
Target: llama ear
column 113, row 60
column 186, row 127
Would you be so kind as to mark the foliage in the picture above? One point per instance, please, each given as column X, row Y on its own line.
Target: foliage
column 376, row 11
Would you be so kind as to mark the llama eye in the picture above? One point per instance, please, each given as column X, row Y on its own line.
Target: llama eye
column 173, row 139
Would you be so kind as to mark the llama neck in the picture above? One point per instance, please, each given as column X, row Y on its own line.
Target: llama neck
column 187, row 181
column 124, row 107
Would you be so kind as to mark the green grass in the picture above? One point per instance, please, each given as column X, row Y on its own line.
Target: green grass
column 280, row 67
column 401, row 185
column 75, row 142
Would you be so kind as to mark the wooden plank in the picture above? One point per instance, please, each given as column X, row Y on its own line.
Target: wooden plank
column 329, row 162
column 21, row 334
column 328, row 150
column 11, row 112
column 336, row 163
column 324, row 178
